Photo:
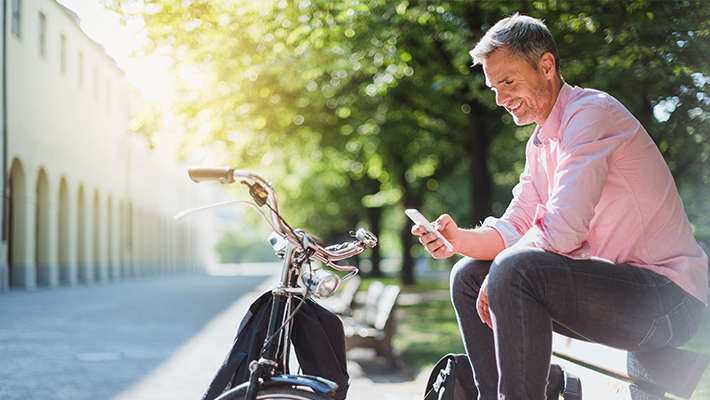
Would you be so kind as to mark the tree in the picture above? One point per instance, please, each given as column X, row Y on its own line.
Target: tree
column 360, row 109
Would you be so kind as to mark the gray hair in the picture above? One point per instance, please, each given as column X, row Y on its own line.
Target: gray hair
column 518, row 34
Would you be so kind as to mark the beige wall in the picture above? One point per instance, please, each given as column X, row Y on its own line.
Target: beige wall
column 89, row 201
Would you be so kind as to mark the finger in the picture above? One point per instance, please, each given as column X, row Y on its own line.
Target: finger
column 434, row 245
column 418, row 230
column 429, row 240
column 443, row 220
column 482, row 309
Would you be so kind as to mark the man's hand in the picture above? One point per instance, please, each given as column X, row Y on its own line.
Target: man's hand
column 447, row 227
column 482, row 304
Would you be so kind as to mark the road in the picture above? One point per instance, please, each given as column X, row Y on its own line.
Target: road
column 107, row 341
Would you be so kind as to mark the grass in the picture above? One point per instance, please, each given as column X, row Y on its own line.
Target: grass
column 426, row 332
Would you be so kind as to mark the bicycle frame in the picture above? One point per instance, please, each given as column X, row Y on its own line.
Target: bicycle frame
column 272, row 367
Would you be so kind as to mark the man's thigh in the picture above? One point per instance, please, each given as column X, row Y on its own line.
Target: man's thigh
column 619, row 305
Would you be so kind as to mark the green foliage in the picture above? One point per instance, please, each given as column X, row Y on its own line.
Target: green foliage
column 235, row 248
column 357, row 109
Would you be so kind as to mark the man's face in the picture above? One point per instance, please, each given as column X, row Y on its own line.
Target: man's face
column 526, row 93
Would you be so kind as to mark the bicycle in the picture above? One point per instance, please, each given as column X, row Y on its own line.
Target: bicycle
column 269, row 376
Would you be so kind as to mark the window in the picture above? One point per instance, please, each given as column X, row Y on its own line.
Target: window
column 63, row 53
column 42, row 34
column 81, row 69
column 16, row 14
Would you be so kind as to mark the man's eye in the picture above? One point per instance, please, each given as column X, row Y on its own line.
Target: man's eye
column 508, row 82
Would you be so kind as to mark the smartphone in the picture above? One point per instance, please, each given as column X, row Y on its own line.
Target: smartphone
column 419, row 219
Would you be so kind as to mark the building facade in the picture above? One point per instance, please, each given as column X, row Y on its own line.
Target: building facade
column 85, row 199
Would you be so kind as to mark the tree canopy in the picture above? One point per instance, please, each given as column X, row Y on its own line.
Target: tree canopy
column 359, row 109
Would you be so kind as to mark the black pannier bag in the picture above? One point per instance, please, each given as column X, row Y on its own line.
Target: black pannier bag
column 317, row 337
column 452, row 379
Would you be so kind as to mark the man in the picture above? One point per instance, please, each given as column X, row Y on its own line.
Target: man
column 595, row 243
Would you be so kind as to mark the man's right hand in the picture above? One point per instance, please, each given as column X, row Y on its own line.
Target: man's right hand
column 482, row 304
column 447, row 227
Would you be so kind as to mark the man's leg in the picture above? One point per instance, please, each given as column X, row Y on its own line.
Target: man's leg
column 531, row 290
column 466, row 278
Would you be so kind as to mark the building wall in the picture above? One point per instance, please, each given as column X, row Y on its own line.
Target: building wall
column 89, row 201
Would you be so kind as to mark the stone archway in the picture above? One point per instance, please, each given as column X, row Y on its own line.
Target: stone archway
column 21, row 265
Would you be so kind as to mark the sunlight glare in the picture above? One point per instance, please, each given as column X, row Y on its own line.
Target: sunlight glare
column 147, row 73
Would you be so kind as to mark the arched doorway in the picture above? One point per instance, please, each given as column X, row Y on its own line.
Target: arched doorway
column 21, row 271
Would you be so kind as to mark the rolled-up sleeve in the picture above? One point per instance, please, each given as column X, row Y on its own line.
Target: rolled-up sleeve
column 518, row 217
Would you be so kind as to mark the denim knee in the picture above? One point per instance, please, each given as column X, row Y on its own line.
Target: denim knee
column 466, row 277
column 512, row 269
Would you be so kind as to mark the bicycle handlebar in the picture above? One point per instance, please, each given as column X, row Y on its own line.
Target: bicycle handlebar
column 223, row 175
column 263, row 193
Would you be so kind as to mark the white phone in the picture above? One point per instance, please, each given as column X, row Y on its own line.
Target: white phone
column 419, row 219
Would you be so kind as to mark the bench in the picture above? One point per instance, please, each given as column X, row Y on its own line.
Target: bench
column 649, row 375
column 342, row 302
column 372, row 326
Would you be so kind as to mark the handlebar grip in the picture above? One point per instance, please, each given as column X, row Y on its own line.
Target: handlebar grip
column 223, row 175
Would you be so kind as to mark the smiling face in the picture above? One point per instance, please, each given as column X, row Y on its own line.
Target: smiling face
column 528, row 94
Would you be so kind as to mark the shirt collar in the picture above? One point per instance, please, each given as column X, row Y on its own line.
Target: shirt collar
column 547, row 132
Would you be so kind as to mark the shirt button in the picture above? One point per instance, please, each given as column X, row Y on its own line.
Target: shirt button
column 584, row 255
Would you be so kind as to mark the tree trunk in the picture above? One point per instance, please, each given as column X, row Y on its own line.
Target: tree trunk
column 407, row 259
column 476, row 148
column 411, row 200
column 375, row 215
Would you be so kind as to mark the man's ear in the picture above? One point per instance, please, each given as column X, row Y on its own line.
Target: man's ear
column 547, row 63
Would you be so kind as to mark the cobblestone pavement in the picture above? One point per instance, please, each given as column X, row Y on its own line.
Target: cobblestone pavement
column 159, row 337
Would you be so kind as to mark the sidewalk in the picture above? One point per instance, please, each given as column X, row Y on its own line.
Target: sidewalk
column 371, row 379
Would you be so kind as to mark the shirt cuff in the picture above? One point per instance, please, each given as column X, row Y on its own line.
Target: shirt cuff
column 505, row 229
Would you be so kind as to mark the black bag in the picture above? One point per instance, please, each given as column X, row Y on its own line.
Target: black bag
column 317, row 337
column 452, row 379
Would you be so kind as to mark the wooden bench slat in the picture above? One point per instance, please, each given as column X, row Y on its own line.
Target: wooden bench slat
column 373, row 325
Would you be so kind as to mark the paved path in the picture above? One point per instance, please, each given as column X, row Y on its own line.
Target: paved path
column 97, row 342
column 159, row 337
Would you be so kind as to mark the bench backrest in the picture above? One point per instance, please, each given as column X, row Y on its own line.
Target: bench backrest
column 385, row 305
column 347, row 293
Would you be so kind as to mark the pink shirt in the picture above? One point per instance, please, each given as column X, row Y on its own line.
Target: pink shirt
column 596, row 185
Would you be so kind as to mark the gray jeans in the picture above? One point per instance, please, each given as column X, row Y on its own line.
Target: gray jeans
column 532, row 292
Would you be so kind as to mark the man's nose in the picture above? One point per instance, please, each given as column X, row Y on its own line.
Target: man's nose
column 501, row 97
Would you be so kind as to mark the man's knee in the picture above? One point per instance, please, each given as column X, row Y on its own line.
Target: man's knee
column 467, row 276
column 515, row 269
